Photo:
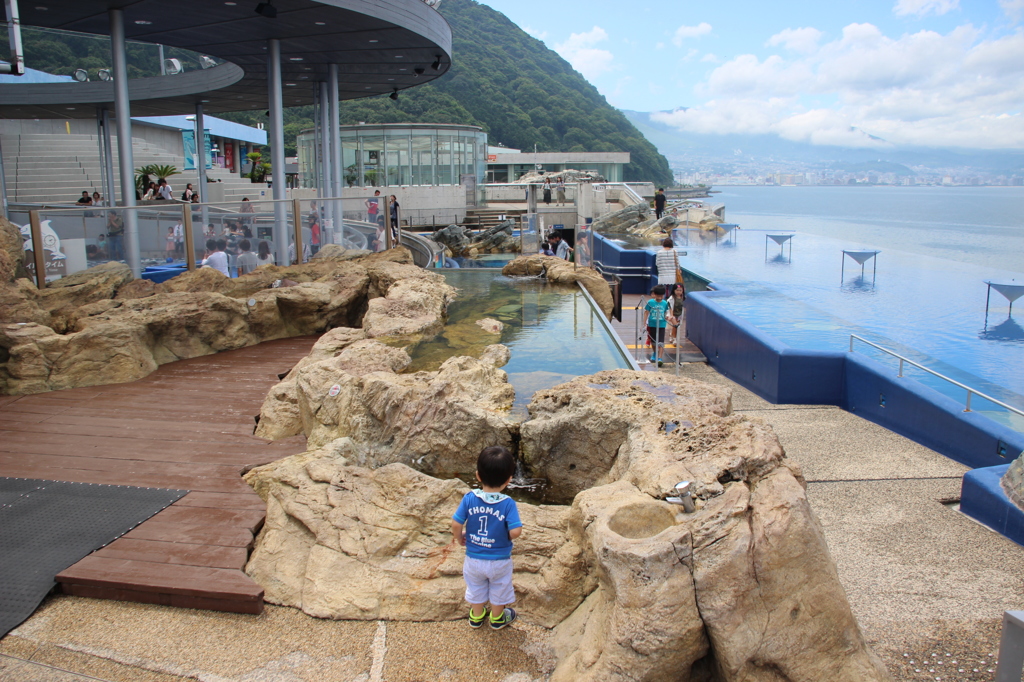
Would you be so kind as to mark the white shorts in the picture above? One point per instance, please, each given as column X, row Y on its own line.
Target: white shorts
column 488, row 581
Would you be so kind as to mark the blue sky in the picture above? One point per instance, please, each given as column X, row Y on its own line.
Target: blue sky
column 946, row 73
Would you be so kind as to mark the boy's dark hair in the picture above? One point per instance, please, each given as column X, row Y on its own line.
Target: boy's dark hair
column 211, row 244
column 495, row 465
column 668, row 244
column 244, row 245
column 221, row 244
column 658, row 290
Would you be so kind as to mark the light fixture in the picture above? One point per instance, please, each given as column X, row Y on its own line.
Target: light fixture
column 265, row 9
column 206, row 62
column 399, row 56
column 432, row 3
column 70, row 108
column 205, row 101
column 436, row 66
column 418, row 71
column 290, row 85
column 394, row 95
column 230, row 4
column 104, row 74
column 374, row 40
column 41, row 8
column 81, row 75
column 391, row 79
column 303, row 78
column 172, row 66
column 320, row 23
column 143, row 22
column 295, row 59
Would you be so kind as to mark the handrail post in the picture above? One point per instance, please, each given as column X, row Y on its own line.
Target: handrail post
column 900, row 373
column 297, row 224
column 852, row 337
column 37, row 248
column 968, row 407
column 186, row 224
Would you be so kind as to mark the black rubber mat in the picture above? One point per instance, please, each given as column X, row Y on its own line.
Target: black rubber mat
column 46, row 526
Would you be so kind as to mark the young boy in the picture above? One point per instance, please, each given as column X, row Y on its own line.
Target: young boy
column 486, row 523
column 658, row 314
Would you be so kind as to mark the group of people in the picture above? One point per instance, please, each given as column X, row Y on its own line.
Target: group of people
column 665, row 309
column 559, row 191
column 554, row 245
column 375, row 216
column 224, row 256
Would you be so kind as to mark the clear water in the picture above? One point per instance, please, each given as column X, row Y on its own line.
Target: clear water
column 551, row 330
column 927, row 301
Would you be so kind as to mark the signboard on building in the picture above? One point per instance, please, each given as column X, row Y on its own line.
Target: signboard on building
column 54, row 259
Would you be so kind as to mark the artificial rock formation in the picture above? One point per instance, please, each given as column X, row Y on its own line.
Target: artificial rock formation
column 635, row 589
column 99, row 326
column 622, row 220
column 1013, row 481
column 559, row 271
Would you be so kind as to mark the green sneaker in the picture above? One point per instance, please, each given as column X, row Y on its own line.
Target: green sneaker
column 506, row 618
column 477, row 621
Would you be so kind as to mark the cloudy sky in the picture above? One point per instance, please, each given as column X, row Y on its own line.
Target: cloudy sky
column 921, row 72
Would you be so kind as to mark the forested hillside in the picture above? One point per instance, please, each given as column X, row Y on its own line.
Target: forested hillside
column 513, row 86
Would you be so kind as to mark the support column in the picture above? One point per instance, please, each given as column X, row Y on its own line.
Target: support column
column 236, row 165
column 200, row 141
column 334, row 133
column 3, row 188
column 275, row 98
column 327, row 209
column 317, row 151
column 104, row 159
column 126, row 161
column 108, row 151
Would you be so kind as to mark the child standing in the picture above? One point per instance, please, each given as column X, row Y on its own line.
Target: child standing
column 170, row 244
column 486, row 523
column 676, row 301
column 658, row 313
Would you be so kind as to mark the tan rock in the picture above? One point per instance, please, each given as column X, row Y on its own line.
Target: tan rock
column 1012, row 481
column 12, row 244
column 18, row 303
column 490, row 325
column 343, row 542
column 561, row 271
column 412, row 309
column 139, row 288
column 496, row 354
column 61, row 297
column 434, row 421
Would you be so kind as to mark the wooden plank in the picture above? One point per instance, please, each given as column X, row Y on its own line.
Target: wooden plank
column 164, row 599
column 146, row 576
column 192, row 534
column 186, row 554
column 250, row 520
column 222, row 501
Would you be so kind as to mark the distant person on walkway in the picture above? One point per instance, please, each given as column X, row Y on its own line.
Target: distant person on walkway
column 486, row 523
column 393, row 207
column 372, row 207
column 170, row 243
column 85, row 199
column 560, row 191
column 559, row 246
column 263, row 255
column 163, row 191
column 101, row 246
column 115, row 234
column 547, row 190
column 306, row 255
column 545, row 249
column 97, row 199
column 247, row 260
column 188, row 193
column 179, row 238
column 150, row 192
column 667, row 262
column 676, row 302
column 216, row 258
column 247, row 207
column 659, row 202
column 657, row 320
column 195, row 198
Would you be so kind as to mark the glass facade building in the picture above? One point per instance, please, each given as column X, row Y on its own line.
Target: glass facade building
column 401, row 154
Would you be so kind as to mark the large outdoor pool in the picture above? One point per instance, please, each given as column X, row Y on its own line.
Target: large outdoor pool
column 930, row 309
column 553, row 332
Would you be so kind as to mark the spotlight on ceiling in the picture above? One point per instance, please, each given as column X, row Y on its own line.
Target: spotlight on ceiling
column 172, row 66
column 206, row 62
column 394, row 95
column 433, row 3
column 418, row 71
column 104, row 74
column 81, row 75
column 436, row 66
column 265, row 9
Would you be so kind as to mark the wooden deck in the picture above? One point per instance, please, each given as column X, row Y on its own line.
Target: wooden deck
column 189, row 426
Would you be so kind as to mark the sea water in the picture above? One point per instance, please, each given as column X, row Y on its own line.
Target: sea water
column 927, row 298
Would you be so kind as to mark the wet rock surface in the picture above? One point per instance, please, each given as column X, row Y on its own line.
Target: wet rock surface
column 743, row 588
column 560, row 271
column 1013, row 481
column 99, row 326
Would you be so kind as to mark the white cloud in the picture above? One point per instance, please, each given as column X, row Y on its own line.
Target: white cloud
column 684, row 32
column 539, row 35
column 924, row 7
column 955, row 89
column 579, row 51
column 1014, row 9
column 803, row 40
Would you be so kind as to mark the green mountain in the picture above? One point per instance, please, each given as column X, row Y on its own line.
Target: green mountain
column 511, row 85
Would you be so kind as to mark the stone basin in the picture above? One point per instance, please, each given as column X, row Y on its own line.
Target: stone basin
column 641, row 520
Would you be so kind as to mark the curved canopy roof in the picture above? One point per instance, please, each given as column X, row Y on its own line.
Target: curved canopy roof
column 378, row 46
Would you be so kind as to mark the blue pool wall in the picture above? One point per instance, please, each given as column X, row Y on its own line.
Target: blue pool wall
column 782, row 374
column 634, row 266
column 982, row 498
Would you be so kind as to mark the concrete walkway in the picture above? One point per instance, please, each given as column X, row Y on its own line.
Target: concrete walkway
column 927, row 584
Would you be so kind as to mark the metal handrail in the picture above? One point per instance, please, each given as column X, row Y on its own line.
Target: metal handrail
column 970, row 391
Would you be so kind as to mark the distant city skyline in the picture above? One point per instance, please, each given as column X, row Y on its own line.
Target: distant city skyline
column 867, row 73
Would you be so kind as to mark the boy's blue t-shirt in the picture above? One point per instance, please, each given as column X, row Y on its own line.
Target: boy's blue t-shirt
column 488, row 517
column 657, row 313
